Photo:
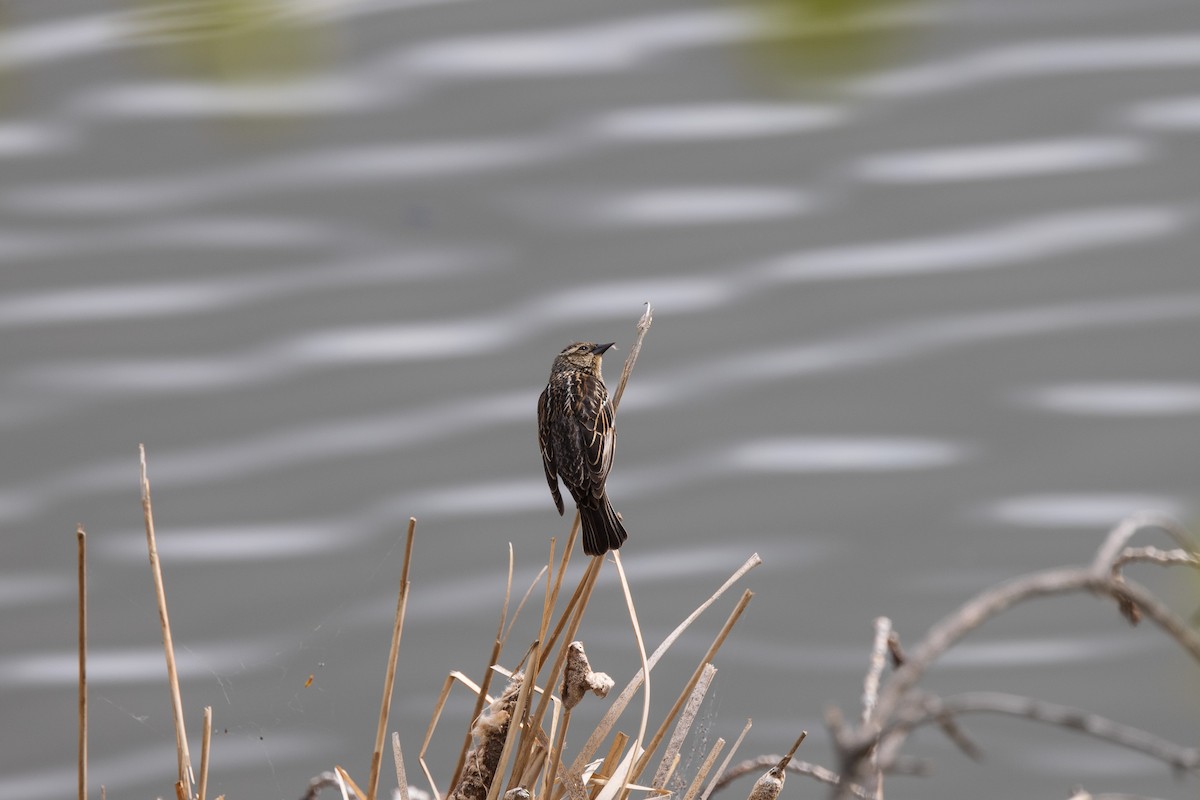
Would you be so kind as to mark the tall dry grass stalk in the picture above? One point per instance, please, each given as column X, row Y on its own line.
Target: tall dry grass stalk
column 389, row 679
column 186, row 779
column 81, row 538
column 205, row 744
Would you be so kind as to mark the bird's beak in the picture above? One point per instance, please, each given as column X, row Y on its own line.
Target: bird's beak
column 600, row 348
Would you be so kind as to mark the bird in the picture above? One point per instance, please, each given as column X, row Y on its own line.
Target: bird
column 577, row 439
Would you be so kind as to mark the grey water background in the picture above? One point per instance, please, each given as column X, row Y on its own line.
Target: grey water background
column 913, row 336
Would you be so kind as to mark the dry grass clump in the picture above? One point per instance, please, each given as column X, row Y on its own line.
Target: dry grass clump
column 513, row 744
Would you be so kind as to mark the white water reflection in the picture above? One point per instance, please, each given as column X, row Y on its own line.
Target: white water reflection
column 609, row 46
column 69, row 37
column 237, row 543
column 27, row 589
column 145, row 101
column 137, row 301
column 781, row 456
column 1002, row 161
column 210, row 234
column 1033, row 652
column 1168, row 114
column 710, row 378
column 1039, row 59
column 314, row 170
column 717, row 121
column 1037, row 238
column 697, row 205
column 1097, row 510
column 136, row 665
column 846, row 454
column 30, row 139
column 1108, row 399
column 144, row 766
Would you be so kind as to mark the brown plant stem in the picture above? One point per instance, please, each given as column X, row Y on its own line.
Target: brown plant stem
column 81, row 538
column 205, row 743
column 389, row 678
column 181, row 742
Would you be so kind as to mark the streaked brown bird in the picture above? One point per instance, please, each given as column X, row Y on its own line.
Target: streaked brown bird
column 577, row 437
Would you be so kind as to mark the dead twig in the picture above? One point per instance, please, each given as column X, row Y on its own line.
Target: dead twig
column 933, row 709
column 1154, row 555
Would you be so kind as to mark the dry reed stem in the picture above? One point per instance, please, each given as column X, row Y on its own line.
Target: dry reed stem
column 348, row 781
column 341, row 784
column 497, row 648
column 783, row 762
column 519, row 712
column 670, row 771
column 586, row 584
column 524, row 598
column 618, row 706
column 437, row 715
column 814, row 771
column 705, row 766
column 691, row 684
column 671, row 754
column 641, row 644
column 389, row 679
column 527, row 732
column 571, row 617
column 643, row 325
column 534, row 765
column 556, row 754
column 401, row 775
column 181, row 743
column 567, row 615
column 81, row 540
column 205, row 743
column 614, row 787
column 728, row 757
column 605, row 770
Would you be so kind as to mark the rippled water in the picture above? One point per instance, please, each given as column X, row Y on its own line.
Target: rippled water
column 912, row 337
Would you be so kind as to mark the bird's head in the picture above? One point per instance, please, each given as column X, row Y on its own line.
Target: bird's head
column 582, row 355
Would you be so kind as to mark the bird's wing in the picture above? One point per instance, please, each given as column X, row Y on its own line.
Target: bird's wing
column 600, row 435
column 545, row 443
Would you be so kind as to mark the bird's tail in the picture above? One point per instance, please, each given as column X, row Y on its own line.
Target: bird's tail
column 602, row 528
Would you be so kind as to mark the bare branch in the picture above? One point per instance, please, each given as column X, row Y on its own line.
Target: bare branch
column 883, row 633
column 1108, row 553
column 1154, row 555
column 933, row 709
column 854, row 746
